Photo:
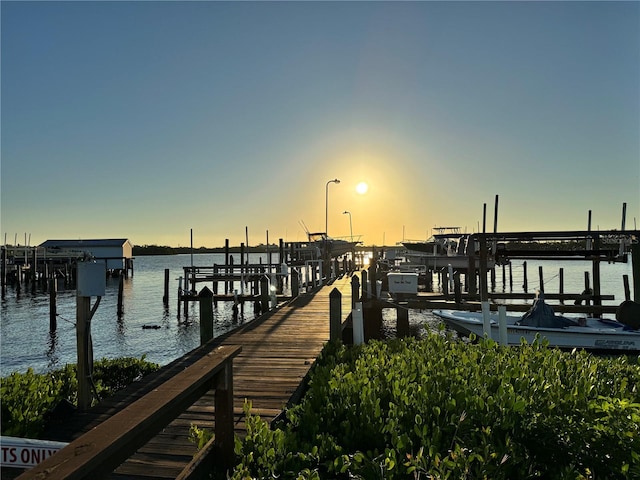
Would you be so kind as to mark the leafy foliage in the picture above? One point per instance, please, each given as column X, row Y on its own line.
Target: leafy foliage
column 444, row 409
column 28, row 398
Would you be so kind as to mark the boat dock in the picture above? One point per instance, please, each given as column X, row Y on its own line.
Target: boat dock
column 272, row 356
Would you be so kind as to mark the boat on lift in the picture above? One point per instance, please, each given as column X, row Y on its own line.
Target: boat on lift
column 448, row 246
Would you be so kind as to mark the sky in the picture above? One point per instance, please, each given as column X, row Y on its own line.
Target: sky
column 155, row 120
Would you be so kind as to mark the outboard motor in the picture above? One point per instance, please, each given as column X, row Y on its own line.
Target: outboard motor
column 628, row 312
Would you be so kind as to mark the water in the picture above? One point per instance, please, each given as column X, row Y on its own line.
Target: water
column 25, row 339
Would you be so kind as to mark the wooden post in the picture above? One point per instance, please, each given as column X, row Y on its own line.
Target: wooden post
column 445, row 282
column 457, row 289
column 402, row 322
column 561, row 287
column 596, row 279
column 373, row 288
column 53, row 314
column 471, row 271
column 335, row 314
column 635, row 270
column 120, row 296
column 295, row 282
column 3, row 271
column 541, row 279
column 627, row 291
column 223, row 428
column 355, row 291
column 227, row 285
column 484, row 293
column 365, row 295
column 264, row 293
column 165, row 297
column 242, row 271
column 34, row 270
column 83, row 314
column 205, row 299
column 587, row 287
column 525, row 283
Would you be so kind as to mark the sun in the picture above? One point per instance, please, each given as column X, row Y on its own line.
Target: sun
column 362, row 188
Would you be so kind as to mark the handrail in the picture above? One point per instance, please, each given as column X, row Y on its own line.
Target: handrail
column 102, row 449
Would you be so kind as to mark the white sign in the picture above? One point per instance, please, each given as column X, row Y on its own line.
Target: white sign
column 26, row 452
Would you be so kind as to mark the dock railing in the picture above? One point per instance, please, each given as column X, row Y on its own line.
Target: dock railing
column 101, row 450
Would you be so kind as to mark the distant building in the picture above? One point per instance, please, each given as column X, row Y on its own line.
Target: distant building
column 116, row 253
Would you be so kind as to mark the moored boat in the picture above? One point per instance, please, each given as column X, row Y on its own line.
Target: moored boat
column 594, row 334
column 449, row 246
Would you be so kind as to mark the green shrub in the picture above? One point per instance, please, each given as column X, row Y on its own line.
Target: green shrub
column 444, row 409
column 28, row 398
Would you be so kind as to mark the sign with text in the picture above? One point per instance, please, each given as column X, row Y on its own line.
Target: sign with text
column 26, row 452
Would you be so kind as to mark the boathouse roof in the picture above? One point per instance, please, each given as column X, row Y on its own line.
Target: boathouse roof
column 112, row 242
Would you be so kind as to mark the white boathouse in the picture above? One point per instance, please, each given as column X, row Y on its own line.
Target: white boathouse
column 117, row 253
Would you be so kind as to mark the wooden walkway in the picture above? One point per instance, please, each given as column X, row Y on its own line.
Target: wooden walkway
column 278, row 350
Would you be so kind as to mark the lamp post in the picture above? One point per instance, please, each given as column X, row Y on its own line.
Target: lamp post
column 350, row 224
column 326, row 207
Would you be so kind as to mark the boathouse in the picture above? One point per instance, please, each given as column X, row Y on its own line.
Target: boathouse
column 117, row 253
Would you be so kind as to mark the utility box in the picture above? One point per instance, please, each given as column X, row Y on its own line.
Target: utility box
column 403, row 283
column 92, row 279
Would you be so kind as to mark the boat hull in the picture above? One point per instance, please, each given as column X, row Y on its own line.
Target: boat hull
column 594, row 336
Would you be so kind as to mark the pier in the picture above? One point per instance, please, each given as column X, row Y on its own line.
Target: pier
column 272, row 356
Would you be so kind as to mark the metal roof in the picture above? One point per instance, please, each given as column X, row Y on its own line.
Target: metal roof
column 113, row 242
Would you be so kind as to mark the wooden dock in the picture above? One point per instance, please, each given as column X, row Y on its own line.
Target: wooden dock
column 278, row 350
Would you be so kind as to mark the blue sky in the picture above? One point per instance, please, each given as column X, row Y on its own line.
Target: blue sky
column 147, row 119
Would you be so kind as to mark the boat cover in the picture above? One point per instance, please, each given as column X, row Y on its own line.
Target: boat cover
column 542, row 315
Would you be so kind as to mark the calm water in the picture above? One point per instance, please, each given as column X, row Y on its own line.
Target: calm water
column 26, row 340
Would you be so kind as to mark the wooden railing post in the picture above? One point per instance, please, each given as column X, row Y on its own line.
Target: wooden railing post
column 335, row 314
column 355, row 290
column 224, row 435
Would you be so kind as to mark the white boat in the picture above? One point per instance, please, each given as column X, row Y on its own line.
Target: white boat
column 321, row 245
column 595, row 334
column 449, row 246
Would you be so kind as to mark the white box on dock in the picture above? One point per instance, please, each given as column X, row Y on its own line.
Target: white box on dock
column 92, row 279
column 403, row 282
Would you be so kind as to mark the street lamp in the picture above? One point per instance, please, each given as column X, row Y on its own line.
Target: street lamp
column 350, row 224
column 326, row 205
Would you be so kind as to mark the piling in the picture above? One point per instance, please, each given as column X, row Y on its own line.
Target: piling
column 627, row 291
column 635, row 268
column 83, row 317
column 335, row 314
column 402, row 322
column 541, row 279
column 120, row 307
column 53, row 314
column 264, row 293
column 3, row 272
column 205, row 299
column 165, row 297
column 355, row 291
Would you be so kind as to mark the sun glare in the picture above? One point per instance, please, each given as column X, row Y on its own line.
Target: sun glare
column 362, row 188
